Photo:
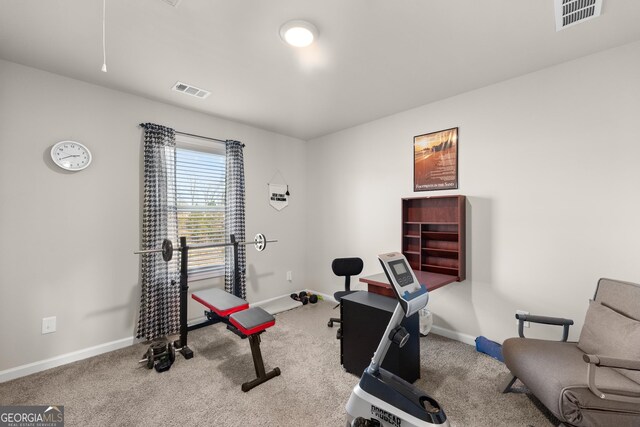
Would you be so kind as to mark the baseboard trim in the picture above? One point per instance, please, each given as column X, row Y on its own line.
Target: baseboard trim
column 265, row 301
column 63, row 359
column 325, row 297
column 42, row 365
column 458, row 336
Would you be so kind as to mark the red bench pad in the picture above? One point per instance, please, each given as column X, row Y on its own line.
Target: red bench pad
column 252, row 320
column 220, row 302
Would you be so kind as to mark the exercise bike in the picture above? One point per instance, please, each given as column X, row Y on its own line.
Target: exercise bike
column 382, row 399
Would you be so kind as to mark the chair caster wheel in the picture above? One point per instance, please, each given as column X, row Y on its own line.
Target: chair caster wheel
column 330, row 324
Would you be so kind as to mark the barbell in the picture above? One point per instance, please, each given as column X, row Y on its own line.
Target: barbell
column 260, row 243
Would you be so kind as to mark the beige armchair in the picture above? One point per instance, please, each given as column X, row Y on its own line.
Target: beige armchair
column 596, row 381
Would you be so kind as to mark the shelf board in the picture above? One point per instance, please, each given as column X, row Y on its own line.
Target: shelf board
column 430, row 223
column 439, row 223
column 442, row 253
column 412, row 236
column 441, row 235
column 440, row 266
column 411, row 252
column 448, row 233
column 451, row 251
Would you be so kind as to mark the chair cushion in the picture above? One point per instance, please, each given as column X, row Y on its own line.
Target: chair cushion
column 608, row 333
column 556, row 374
column 219, row 301
column 622, row 296
column 252, row 320
column 583, row 408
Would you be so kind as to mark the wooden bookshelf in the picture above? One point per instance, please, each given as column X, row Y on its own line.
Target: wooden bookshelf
column 433, row 234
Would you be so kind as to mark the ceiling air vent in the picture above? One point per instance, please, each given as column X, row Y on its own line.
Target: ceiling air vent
column 191, row 90
column 572, row 12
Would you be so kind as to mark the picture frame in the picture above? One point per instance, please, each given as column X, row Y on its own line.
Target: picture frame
column 435, row 160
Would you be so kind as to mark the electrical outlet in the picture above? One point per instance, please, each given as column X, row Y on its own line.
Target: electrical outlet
column 289, row 276
column 526, row 324
column 48, row 325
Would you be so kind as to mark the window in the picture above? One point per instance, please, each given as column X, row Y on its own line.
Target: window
column 200, row 186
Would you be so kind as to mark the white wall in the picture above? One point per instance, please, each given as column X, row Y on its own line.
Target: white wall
column 549, row 163
column 67, row 239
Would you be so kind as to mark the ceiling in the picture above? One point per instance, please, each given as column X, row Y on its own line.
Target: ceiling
column 373, row 58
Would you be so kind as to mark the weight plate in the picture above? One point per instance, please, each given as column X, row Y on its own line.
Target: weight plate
column 260, row 242
column 172, row 353
column 167, row 250
column 150, row 358
column 159, row 347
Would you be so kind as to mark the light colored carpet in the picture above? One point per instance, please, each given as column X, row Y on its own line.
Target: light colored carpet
column 112, row 389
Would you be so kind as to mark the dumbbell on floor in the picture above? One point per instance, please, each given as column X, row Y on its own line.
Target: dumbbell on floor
column 305, row 298
column 159, row 355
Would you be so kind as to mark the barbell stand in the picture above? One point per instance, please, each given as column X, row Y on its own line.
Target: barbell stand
column 167, row 250
column 184, row 293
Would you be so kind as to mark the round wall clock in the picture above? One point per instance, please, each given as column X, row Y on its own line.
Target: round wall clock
column 71, row 155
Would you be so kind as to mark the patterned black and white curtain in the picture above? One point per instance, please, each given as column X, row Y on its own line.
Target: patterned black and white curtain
column 159, row 302
column 234, row 217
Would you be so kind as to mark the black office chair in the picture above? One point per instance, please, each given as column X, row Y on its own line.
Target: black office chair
column 346, row 267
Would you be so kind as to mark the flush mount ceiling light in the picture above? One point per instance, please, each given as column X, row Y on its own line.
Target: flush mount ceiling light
column 298, row 33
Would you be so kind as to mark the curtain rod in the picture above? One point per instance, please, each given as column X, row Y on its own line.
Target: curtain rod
column 200, row 136
column 197, row 136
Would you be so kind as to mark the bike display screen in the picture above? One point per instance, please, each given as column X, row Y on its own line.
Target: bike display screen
column 401, row 272
column 400, row 268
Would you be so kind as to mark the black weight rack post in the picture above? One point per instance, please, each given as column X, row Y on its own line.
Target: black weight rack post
column 184, row 293
column 236, row 271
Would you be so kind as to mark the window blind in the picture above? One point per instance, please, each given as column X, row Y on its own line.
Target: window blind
column 200, row 186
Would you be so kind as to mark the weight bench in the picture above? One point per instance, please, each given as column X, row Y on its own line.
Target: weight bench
column 243, row 321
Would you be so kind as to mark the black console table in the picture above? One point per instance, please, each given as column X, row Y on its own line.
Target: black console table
column 365, row 316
